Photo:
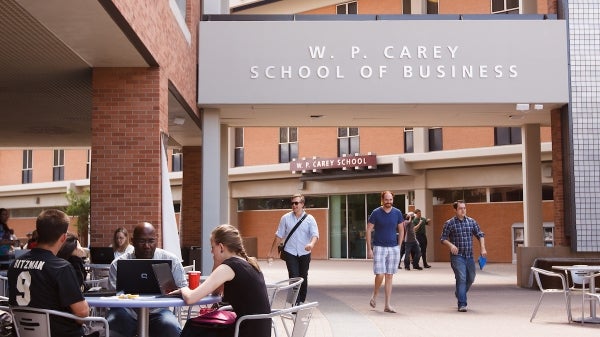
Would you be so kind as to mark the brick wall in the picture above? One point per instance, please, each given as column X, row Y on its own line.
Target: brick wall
column 263, row 225
column 495, row 220
column 465, row 7
column 191, row 197
column 129, row 112
column 558, row 180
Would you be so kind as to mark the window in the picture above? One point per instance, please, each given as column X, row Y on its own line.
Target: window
column 347, row 8
column 435, row 139
column 348, row 141
column 58, row 169
column 88, row 165
column 450, row 196
column 507, row 135
column 502, row 194
column 505, row 6
column 177, row 160
column 27, row 174
column 432, row 6
column 250, row 204
column 408, row 140
column 288, row 144
column 406, row 7
column 239, row 147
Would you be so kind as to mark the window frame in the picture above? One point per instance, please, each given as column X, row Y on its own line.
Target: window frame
column 505, row 5
column 27, row 172
column 345, row 8
column 58, row 165
column 348, row 140
column 238, row 156
column 288, row 144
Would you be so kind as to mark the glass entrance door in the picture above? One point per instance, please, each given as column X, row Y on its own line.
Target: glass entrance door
column 348, row 223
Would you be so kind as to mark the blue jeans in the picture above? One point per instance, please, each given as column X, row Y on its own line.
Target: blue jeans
column 162, row 323
column 464, row 273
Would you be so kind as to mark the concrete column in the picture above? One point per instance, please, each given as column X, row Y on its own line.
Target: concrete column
column 420, row 140
column 214, row 181
column 532, row 186
column 215, row 6
column 424, row 202
column 418, row 6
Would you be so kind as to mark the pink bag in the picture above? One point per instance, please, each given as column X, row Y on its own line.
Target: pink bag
column 214, row 318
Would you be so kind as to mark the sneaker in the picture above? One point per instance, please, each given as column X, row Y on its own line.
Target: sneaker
column 418, row 268
column 463, row 308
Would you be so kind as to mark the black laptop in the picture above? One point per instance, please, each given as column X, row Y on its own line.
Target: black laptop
column 136, row 276
column 101, row 255
column 166, row 281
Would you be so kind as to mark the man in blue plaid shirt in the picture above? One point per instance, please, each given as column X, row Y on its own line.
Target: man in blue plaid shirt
column 457, row 236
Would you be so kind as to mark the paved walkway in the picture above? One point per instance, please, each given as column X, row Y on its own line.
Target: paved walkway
column 426, row 305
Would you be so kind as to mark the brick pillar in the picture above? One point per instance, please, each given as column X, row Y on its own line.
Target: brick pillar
column 191, row 197
column 560, row 238
column 130, row 108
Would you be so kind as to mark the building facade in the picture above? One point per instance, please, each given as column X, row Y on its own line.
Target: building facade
column 455, row 104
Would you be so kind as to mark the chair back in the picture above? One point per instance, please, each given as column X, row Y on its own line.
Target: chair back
column 31, row 323
column 290, row 289
column 538, row 272
column 579, row 276
column 301, row 314
column 35, row 322
column 3, row 286
column 303, row 317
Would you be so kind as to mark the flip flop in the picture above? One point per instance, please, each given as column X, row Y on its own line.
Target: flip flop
column 372, row 303
column 390, row 310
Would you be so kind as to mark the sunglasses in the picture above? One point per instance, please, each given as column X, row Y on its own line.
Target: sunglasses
column 296, row 203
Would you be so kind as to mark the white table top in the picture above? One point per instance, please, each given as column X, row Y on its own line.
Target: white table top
column 145, row 301
column 578, row 267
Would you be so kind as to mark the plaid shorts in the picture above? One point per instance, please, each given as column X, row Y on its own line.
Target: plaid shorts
column 386, row 259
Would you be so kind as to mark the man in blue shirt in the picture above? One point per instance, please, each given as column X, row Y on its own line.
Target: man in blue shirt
column 457, row 236
column 387, row 224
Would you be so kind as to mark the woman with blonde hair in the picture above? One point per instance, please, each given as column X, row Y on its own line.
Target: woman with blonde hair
column 121, row 245
column 242, row 282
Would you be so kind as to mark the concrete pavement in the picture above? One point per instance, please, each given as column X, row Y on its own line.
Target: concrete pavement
column 426, row 304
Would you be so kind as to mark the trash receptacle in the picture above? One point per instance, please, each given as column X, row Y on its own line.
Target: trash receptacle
column 196, row 256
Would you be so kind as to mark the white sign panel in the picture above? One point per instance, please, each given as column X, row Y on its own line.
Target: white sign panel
column 382, row 62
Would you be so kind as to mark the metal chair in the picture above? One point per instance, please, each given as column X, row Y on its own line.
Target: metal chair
column 579, row 285
column 3, row 286
column 564, row 290
column 290, row 288
column 593, row 296
column 35, row 322
column 301, row 315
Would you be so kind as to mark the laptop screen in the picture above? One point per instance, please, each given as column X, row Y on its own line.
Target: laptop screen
column 136, row 276
column 101, row 255
column 164, row 276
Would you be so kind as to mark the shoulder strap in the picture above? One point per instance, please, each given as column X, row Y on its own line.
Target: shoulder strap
column 294, row 229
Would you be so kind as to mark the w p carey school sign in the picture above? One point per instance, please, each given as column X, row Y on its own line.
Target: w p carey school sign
column 316, row 164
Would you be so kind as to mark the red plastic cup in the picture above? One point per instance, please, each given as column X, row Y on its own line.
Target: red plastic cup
column 193, row 279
